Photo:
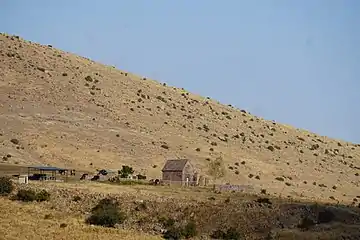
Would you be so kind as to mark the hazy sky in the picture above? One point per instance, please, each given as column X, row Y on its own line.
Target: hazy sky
column 296, row 62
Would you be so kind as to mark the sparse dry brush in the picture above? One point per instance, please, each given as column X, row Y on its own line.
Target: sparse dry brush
column 106, row 213
column 223, row 216
column 6, row 186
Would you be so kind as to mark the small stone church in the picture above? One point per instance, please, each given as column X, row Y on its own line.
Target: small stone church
column 179, row 171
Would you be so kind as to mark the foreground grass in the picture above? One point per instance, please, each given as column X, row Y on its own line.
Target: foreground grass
column 34, row 221
column 150, row 209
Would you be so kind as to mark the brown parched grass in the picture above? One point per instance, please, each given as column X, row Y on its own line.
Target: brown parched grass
column 145, row 208
column 24, row 221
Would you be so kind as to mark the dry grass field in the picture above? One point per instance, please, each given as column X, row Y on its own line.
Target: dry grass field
column 21, row 221
column 63, row 216
column 64, row 110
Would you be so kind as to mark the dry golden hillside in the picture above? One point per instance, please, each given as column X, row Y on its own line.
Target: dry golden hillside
column 69, row 111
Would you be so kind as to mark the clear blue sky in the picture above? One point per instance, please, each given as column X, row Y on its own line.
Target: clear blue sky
column 296, row 62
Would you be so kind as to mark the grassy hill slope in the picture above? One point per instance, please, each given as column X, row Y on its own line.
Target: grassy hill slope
column 65, row 110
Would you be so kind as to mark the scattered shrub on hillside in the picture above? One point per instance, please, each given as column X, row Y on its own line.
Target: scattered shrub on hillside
column 106, row 213
column 76, row 198
column 14, row 141
column 6, row 186
column 30, row 195
column 263, row 200
column 25, row 195
column 189, row 230
column 165, row 146
column 88, row 78
column 230, row 233
column 141, row 206
column 42, row 196
column 173, row 233
column 271, row 148
column 63, row 225
column 161, row 99
column 306, row 223
column 167, row 222
column 178, row 232
column 280, row 179
column 206, row 128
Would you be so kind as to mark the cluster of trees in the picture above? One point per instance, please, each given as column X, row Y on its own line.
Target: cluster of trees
column 127, row 171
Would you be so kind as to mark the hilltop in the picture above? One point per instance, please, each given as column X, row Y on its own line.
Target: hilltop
column 65, row 110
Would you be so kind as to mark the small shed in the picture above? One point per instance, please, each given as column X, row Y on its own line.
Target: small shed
column 179, row 171
column 23, row 179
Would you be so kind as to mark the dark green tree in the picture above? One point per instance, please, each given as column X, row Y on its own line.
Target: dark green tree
column 125, row 171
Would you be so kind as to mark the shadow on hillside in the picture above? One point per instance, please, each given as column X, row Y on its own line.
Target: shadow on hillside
column 315, row 221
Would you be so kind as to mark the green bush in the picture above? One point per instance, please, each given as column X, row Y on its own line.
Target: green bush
column 106, row 213
column 173, row 233
column 6, row 186
column 76, row 198
column 125, row 171
column 189, row 230
column 30, row 195
column 166, row 222
column 231, row 233
column 177, row 232
column 25, row 195
column 42, row 196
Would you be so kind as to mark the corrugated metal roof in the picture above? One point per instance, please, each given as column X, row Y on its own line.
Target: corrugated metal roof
column 175, row 165
column 47, row 168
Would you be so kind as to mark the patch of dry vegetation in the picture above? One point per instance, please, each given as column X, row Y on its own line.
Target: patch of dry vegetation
column 69, row 111
column 146, row 212
column 34, row 221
